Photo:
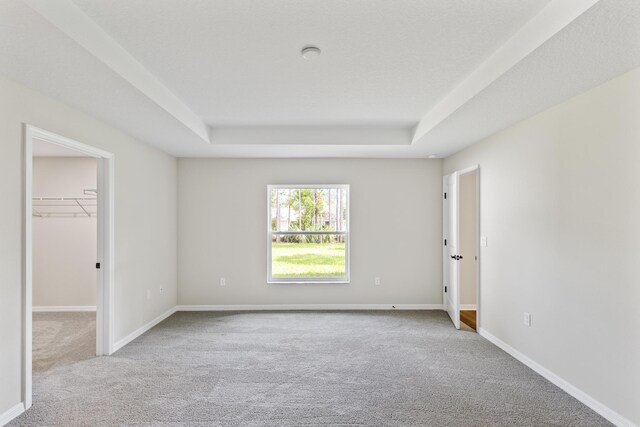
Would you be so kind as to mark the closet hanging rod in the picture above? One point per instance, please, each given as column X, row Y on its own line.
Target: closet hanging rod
column 64, row 199
column 64, row 207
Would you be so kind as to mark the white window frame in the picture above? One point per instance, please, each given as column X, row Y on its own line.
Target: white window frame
column 347, row 233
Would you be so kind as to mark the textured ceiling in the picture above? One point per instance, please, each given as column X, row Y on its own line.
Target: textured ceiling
column 599, row 45
column 237, row 63
column 236, row 66
column 35, row 53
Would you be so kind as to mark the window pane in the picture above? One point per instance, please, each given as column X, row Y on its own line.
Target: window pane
column 308, row 209
column 308, row 256
column 308, row 229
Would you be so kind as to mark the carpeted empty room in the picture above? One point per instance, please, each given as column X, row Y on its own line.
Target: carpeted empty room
column 319, row 213
column 393, row 368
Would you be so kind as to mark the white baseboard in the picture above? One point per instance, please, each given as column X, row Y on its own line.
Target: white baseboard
column 250, row 307
column 141, row 330
column 11, row 413
column 62, row 308
column 468, row 306
column 583, row 397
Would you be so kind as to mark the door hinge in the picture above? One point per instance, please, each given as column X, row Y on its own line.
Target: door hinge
column 445, row 242
column 445, row 289
column 97, row 265
column 445, row 195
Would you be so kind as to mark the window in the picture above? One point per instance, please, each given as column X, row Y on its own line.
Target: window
column 308, row 234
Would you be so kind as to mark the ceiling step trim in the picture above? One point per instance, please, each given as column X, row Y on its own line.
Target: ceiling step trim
column 551, row 20
column 72, row 21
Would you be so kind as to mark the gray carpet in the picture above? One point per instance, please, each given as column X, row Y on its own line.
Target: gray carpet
column 61, row 339
column 303, row 368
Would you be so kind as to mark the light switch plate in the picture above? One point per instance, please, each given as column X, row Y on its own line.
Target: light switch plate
column 527, row 319
column 483, row 240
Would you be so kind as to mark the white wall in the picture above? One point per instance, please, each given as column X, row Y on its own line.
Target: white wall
column 145, row 221
column 560, row 205
column 222, row 230
column 64, row 249
column 468, row 237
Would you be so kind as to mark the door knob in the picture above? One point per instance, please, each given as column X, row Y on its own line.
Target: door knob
column 454, row 256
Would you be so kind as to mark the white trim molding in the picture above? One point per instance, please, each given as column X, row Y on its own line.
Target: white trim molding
column 62, row 308
column 284, row 307
column 583, row 397
column 73, row 22
column 468, row 306
column 142, row 329
column 105, row 247
column 10, row 414
column 552, row 19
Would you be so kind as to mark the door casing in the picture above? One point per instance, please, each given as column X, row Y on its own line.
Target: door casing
column 105, row 251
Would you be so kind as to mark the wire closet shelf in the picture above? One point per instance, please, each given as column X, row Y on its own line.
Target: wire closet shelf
column 66, row 207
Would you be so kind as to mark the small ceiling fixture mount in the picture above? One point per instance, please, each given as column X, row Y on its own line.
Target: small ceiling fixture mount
column 310, row 52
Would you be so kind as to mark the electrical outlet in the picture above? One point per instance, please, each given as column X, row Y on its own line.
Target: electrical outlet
column 527, row 319
column 376, row 281
column 223, row 281
column 148, row 293
column 161, row 289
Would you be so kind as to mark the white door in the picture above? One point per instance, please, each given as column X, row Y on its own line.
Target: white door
column 451, row 276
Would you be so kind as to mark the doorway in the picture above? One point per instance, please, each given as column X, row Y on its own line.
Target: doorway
column 468, row 250
column 461, row 280
column 64, row 244
column 61, row 292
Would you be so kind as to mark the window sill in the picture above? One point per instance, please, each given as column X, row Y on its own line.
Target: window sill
column 308, row 282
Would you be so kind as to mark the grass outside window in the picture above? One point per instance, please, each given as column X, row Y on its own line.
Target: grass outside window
column 291, row 260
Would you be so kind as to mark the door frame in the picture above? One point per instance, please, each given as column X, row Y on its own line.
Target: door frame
column 105, row 249
column 471, row 169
